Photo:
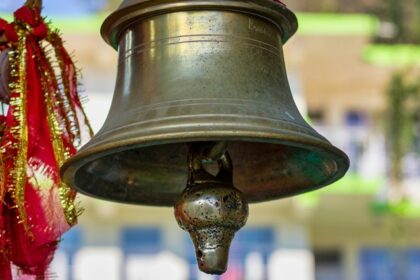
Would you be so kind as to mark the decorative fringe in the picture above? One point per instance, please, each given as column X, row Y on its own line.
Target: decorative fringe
column 44, row 125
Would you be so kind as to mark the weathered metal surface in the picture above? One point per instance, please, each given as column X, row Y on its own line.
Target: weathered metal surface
column 133, row 11
column 190, row 73
column 210, row 208
column 212, row 72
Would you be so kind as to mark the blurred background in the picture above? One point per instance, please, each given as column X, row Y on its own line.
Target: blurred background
column 354, row 67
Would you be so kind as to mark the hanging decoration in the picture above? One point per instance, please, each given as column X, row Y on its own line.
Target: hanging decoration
column 44, row 124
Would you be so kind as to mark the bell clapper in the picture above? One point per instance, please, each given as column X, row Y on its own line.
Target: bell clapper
column 211, row 209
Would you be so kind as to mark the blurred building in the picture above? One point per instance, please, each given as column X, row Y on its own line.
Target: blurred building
column 332, row 234
column 72, row 7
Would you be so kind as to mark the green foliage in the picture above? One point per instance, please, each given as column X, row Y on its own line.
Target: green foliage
column 405, row 16
column 351, row 184
column 392, row 55
column 337, row 24
column 395, row 13
column 403, row 96
column 404, row 208
column 403, row 105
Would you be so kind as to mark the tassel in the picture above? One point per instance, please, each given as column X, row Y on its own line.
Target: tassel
column 44, row 125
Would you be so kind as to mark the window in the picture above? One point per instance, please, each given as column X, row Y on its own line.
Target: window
column 328, row 265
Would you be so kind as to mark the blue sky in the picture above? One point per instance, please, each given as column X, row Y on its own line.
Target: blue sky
column 62, row 8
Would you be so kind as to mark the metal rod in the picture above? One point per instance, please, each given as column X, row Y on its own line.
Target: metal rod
column 34, row 3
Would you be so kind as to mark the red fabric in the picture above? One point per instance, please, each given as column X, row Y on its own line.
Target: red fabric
column 5, row 269
column 41, row 199
column 68, row 69
column 34, row 19
column 31, row 16
column 9, row 31
column 30, row 242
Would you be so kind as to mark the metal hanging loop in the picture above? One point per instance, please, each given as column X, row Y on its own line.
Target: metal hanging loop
column 34, row 3
column 209, row 152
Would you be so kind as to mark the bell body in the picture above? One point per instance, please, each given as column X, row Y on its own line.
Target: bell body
column 193, row 71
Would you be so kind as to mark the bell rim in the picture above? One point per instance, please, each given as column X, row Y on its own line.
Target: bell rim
column 278, row 14
column 70, row 167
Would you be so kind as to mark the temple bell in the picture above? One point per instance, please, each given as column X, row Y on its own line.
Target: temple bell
column 203, row 118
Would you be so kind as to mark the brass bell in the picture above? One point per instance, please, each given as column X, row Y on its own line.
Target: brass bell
column 203, row 118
